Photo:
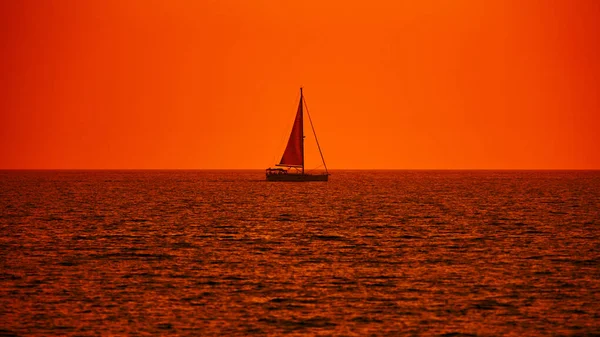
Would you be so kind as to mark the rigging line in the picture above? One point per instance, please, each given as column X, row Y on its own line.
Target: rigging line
column 314, row 133
column 315, row 168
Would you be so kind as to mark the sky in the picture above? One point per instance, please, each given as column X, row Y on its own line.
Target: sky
column 429, row 84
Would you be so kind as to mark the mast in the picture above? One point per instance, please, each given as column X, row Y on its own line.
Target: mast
column 302, row 127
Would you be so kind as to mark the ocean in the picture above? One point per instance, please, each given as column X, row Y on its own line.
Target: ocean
column 369, row 253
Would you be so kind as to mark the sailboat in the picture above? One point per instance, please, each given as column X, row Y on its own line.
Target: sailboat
column 291, row 165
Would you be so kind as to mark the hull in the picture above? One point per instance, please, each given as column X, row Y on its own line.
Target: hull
column 297, row 177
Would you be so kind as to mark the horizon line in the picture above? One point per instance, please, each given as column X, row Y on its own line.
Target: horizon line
column 334, row 169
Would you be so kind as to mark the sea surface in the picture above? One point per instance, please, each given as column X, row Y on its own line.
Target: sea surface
column 370, row 253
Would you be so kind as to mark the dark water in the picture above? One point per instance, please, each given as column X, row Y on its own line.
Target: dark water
column 369, row 253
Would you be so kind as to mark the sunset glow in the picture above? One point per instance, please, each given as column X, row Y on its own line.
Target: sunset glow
column 215, row 84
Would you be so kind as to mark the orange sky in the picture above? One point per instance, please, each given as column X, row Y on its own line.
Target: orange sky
column 444, row 84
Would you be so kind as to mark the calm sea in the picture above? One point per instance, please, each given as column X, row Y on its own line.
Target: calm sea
column 224, row 253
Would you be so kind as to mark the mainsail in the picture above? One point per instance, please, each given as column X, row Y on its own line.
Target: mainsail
column 294, row 152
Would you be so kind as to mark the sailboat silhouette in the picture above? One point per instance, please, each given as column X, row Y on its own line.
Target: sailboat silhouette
column 291, row 165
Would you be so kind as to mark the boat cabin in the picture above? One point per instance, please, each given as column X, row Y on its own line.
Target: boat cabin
column 276, row 171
